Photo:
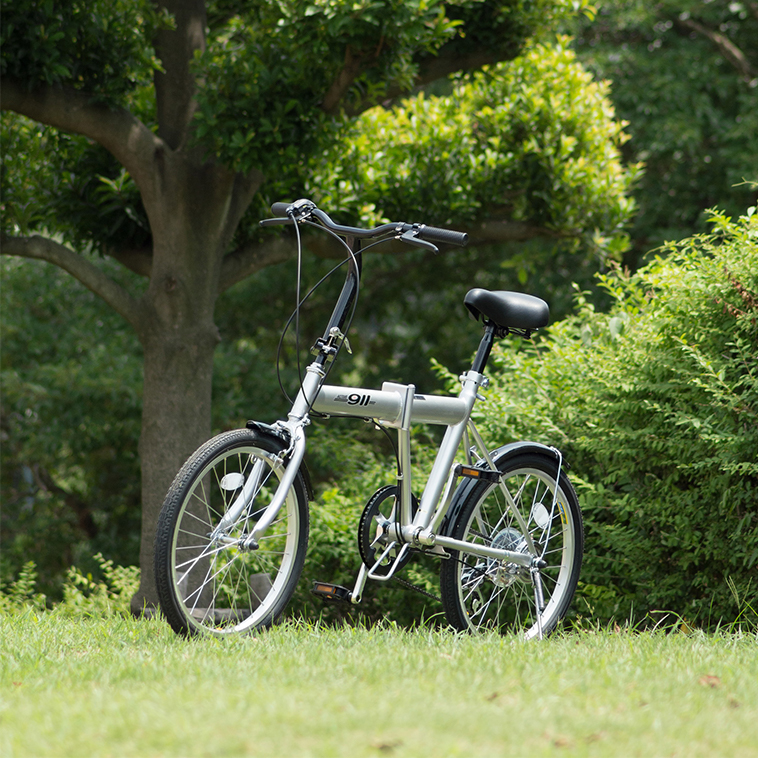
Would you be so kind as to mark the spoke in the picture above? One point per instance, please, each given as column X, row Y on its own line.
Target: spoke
column 475, row 584
column 501, row 600
column 205, row 500
column 485, row 608
column 518, row 496
column 204, row 554
column 203, row 538
column 266, row 562
column 554, row 550
column 213, row 577
column 206, row 524
column 199, row 590
column 275, row 536
column 218, row 585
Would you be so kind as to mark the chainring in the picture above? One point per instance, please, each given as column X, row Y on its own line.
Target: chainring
column 381, row 503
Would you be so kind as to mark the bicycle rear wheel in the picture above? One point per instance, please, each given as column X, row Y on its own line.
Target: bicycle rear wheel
column 484, row 593
column 207, row 581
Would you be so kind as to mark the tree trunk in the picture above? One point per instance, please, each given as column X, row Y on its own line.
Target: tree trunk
column 190, row 231
column 176, row 420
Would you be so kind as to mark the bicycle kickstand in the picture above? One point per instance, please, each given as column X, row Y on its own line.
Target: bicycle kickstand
column 539, row 598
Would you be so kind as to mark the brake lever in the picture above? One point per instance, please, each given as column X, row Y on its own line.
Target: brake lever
column 275, row 221
column 411, row 238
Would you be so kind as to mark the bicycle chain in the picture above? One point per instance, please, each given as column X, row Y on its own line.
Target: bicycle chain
column 411, row 586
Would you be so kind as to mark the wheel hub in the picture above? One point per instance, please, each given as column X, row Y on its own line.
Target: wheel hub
column 505, row 573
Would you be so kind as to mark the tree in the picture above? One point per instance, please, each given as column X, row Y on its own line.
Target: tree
column 684, row 75
column 164, row 124
column 69, row 425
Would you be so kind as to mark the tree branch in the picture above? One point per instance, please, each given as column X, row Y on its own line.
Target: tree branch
column 175, row 86
column 138, row 261
column 244, row 189
column 434, row 67
column 117, row 130
column 503, row 230
column 79, row 267
column 729, row 51
column 78, row 506
column 239, row 264
column 339, row 87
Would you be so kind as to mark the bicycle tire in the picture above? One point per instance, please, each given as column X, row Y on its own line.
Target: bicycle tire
column 479, row 593
column 219, row 588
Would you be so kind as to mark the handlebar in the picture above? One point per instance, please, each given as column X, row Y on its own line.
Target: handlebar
column 280, row 209
column 414, row 234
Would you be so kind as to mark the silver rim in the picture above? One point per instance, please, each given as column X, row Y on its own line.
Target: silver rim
column 220, row 587
column 493, row 595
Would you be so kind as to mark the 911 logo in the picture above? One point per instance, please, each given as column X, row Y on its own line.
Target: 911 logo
column 355, row 399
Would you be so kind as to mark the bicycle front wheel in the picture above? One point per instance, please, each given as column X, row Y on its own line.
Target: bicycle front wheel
column 485, row 593
column 207, row 581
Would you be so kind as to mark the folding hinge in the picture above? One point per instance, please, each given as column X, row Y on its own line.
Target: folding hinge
column 330, row 346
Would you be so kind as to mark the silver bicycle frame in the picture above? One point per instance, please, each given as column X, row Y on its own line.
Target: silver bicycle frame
column 398, row 406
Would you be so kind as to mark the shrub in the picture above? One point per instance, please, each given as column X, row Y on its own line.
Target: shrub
column 83, row 594
column 656, row 406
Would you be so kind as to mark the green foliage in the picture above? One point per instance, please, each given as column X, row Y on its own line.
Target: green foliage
column 269, row 67
column 83, row 595
column 533, row 140
column 655, row 405
column 20, row 593
column 260, row 108
column 102, row 47
column 71, row 389
column 108, row 596
column 69, row 422
column 77, row 188
column 692, row 116
column 262, row 79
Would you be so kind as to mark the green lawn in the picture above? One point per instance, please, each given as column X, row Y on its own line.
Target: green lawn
column 118, row 687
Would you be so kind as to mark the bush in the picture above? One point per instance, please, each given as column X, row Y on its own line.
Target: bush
column 83, row 595
column 656, row 406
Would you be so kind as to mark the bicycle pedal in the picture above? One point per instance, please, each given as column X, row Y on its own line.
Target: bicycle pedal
column 334, row 593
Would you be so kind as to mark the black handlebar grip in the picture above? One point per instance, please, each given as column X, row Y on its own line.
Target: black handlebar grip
column 280, row 209
column 445, row 236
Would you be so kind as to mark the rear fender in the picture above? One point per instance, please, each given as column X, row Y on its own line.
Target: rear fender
column 500, row 458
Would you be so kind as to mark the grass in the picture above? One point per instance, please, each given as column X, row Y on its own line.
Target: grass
column 119, row 687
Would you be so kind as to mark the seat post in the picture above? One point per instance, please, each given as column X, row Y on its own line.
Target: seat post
column 485, row 346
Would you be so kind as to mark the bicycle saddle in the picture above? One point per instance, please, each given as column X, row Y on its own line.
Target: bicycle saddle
column 513, row 310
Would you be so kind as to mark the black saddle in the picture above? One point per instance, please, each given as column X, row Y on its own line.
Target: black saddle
column 509, row 310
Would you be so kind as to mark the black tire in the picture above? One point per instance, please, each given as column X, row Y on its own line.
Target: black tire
column 219, row 588
column 481, row 593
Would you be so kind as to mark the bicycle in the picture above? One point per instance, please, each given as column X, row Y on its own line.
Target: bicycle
column 505, row 525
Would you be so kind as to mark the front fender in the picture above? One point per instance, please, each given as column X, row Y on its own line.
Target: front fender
column 281, row 437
